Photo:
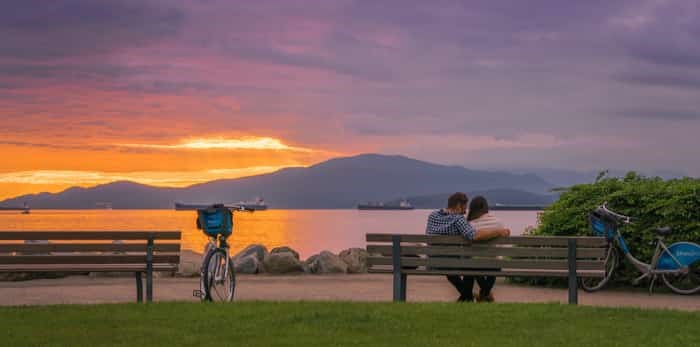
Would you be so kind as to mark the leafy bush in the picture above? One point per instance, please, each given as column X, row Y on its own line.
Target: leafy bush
column 654, row 202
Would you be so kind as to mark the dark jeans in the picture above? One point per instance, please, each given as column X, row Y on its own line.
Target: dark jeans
column 465, row 285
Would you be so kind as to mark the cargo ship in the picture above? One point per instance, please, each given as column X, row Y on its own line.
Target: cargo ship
column 402, row 205
column 257, row 205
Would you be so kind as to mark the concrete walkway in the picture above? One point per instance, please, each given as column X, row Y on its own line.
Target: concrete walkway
column 365, row 287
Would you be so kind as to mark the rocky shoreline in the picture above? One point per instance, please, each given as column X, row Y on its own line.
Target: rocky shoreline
column 256, row 259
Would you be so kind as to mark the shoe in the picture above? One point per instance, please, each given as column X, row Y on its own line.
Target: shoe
column 488, row 298
column 463, row 298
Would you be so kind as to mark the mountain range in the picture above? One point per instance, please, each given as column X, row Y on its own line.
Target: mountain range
column 336, row 183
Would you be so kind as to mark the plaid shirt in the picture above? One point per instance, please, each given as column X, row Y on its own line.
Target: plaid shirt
column 441, row 222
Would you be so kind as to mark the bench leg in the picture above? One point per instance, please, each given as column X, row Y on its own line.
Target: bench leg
column 149, row 286
column 399, row 287
column 149, row 270
column 139, row 288
column 573, row 281
column 399, row 278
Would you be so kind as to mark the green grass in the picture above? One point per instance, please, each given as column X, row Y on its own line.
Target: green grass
column 344, row 324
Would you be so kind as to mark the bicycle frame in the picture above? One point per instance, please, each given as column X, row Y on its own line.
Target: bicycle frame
column 650, row 269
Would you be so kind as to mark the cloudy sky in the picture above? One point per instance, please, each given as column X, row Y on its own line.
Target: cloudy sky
column 174, row 92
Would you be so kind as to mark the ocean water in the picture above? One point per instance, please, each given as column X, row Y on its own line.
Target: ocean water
column 307, row 231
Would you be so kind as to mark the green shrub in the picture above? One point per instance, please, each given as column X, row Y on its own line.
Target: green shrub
column 654, row 202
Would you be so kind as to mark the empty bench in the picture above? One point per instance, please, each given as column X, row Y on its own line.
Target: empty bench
column 140, row 252
column 518, row 256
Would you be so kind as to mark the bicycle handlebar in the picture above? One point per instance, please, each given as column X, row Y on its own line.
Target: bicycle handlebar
column 190, row 207
column 625, row 219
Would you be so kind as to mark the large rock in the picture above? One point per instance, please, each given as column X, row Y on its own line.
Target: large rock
column 248, row 265
column 327, row 262
column 306, row 265
column 282, row 263
column 285, row 249
column 190, row 264
column 260, row 252
column 356, row 258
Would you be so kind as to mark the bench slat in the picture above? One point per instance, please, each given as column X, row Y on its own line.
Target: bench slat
column 542, row 264
column 89, row 235
column 85, row 267
column 503, row 273
column 87, row 247
column 488, row 250
column 581, row 241
column 86, row 259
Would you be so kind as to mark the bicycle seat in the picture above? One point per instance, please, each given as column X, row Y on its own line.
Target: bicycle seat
column 665, row 231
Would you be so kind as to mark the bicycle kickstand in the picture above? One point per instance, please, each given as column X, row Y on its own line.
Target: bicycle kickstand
column 651, row 284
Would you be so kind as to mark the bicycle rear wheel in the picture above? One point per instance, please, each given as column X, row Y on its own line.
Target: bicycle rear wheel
column 592, row 284
column 219, row 284
column 684, row 283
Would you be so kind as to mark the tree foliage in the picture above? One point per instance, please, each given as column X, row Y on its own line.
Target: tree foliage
column 652, row 201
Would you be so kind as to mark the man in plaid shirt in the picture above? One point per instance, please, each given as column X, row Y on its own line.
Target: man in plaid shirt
column 452, row 221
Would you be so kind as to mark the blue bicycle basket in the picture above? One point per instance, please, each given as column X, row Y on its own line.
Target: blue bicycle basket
column 215, row 221
column 603, row 225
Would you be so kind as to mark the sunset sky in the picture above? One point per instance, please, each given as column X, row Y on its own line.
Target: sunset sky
column 173, row 92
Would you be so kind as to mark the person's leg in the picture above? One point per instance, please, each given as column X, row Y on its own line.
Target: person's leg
column 463, row 287
column 468, row 287
column 486, row 283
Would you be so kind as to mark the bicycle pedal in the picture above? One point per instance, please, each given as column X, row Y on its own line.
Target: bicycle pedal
column 197, row 293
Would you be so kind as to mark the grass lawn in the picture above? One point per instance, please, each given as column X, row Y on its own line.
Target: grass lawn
column 344, row 324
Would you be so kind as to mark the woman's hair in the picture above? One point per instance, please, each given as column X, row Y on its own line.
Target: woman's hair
column 477, row 207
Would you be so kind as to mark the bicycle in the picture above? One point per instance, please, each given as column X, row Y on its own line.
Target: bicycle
column 678, row 265
column 217, row 278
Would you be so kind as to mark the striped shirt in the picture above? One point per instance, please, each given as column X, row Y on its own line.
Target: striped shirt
column 441, row 222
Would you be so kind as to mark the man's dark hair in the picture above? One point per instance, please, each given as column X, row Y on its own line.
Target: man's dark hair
column 457, row 199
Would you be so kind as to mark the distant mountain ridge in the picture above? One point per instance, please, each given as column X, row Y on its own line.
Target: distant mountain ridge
column 336, row 183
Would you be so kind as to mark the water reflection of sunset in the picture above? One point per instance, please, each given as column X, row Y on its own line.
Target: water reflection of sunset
column 307, row 231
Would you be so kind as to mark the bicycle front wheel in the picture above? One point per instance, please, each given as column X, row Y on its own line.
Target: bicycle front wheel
column 684, row 283
column 219, row 279
column 592, row 284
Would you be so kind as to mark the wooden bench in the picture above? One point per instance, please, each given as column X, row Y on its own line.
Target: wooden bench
column 78, row 252
column 518, row 256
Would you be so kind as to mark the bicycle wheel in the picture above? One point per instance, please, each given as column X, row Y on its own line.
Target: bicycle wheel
column 684, row 283
column 219, row 284
column 592, row 284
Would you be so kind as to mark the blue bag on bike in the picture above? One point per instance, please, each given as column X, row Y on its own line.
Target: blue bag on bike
column 213, row 222
column 603, row 224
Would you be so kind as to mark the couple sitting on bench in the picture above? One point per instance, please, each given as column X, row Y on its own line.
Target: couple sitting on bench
column 477, row 225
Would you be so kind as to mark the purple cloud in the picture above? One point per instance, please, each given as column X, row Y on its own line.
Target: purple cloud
column 382, row 75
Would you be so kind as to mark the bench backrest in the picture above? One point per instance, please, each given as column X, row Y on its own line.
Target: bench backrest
column 540, row 255
column 25, row 249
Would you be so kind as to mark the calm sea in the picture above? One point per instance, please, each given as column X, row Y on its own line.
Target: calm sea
column 307, row 231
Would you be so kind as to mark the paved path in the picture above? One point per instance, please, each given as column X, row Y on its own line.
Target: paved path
column 366, row 287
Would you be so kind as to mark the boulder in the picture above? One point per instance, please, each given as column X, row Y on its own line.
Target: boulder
column 306, row 265
column 248, row 265
column 190, row 264
column 285, row 249
column 327, row 262
column 281, row 263
column 356, row 258
column 260, row 252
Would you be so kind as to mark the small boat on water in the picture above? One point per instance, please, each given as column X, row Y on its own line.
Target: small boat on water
column 402, row 205
column 103, row 205
column 24, row 209
column 257, row 205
